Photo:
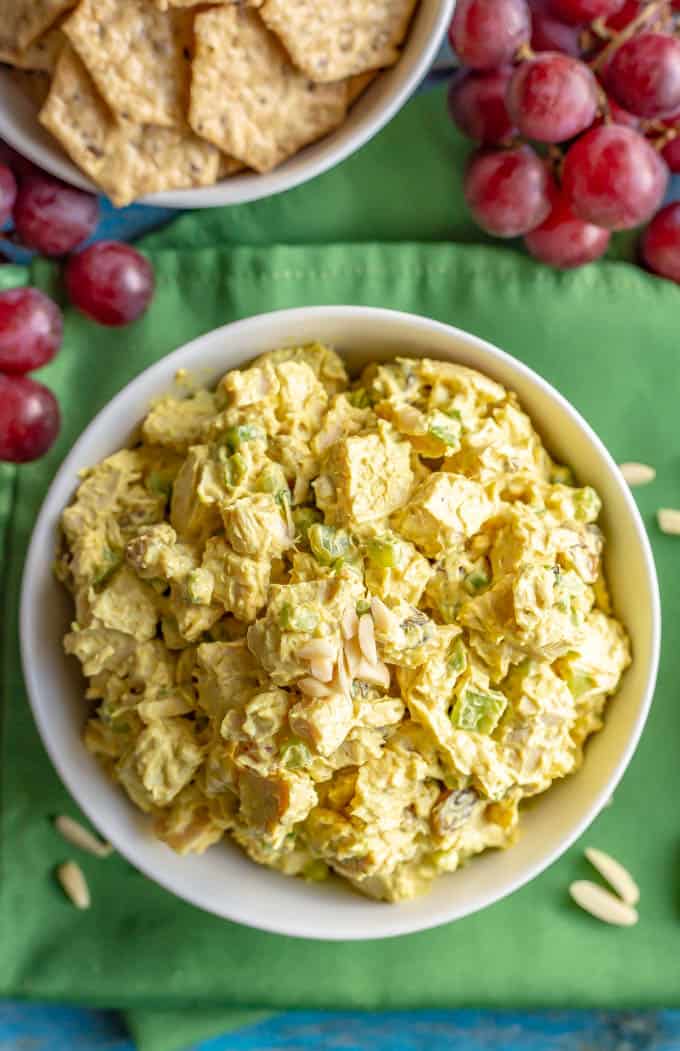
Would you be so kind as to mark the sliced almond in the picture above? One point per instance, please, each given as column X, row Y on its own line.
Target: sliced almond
column 637, row 473
column 317, row 649
column 669, row 520
column 383, row 617
column 602, row 903
column 313, row 687
column 618, row 878
column 75, row 833
column 349, row 624
column 352, row 656
column 342, row 678
column 71, row 877
column 376, row 673
column 322, row 669
column 367, row 638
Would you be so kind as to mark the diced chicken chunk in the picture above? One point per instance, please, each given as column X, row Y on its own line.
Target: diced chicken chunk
column 444, row 509
column 365, row 478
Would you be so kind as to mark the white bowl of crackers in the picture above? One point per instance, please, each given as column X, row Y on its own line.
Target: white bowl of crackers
column 185, row 105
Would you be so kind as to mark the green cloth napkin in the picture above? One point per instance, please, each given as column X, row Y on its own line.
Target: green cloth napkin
column 607, row 337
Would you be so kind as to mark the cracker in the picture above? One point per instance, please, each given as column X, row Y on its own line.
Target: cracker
column 35, row 86
column 40, row 56
column 21, row 21
column 138, row 56
column 126, row 160
column 248, row 98
column 331, row 39
column 229, row 166
column 165, row 5
column 356, row 85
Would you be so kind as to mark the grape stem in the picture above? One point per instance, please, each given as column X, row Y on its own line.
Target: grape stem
column 648, row 12
column 601, row 29
column 524, row 52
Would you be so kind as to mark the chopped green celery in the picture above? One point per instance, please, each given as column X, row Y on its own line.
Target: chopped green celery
column 330, row 546
column 298, row 618
column 477, row 711
column 476, row 580
column 587, row 504
column 193, row 587
column 234, row 437
column 363, row 606
column 383, row 551
column 457, row 659
column 303, row 518
column 107, row 567
column 234, row 469
column 359, row 398
column 159, row 484
column 272, row 479
column 444, row 428
column 294, row 754
column 579, row 683
column 561, row 475
column 454, row 414
column 316, row 871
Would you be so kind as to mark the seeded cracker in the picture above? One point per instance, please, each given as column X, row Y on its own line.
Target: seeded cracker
column 126, row 160
column 138, row 57
column 248, row 98
column 358, row 84
column 21, row 21
column 40, row 56
column 331, row 39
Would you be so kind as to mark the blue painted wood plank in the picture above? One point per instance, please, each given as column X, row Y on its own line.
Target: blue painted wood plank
column 36, row 1027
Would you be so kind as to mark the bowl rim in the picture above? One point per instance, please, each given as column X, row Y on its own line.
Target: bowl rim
column 309, row 162
column 165, row 367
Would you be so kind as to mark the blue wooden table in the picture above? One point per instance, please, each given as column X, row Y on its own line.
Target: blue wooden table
column 37, row 1027
column 33, row 1027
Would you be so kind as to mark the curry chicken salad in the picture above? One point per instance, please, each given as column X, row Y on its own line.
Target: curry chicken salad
column 352, row 624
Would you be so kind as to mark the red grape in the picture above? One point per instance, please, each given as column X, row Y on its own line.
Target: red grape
column 110, row 282
column 29, row 419
column 564, row 240
column 579, row 11
column 487, row 33
column 18, row 165
column 549, row 34
column 644, row 74
column 476, row 104
column 51, row 217
column 660, row 245
column 8, row 193
column 620, row 19
column 30, row 329
column 622, row 116
column 507, row 191
column 613, row 177
column 671, row 154
column 552, row 97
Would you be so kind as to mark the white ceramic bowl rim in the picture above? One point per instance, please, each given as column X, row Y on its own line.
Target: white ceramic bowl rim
column 351, row 917
column 381, row 101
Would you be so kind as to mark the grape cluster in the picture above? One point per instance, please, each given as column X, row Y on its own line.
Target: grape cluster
column 575, row 105
column 109, row 282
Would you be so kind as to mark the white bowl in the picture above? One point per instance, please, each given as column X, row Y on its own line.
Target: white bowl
column 223, row 880
column 386, row 95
